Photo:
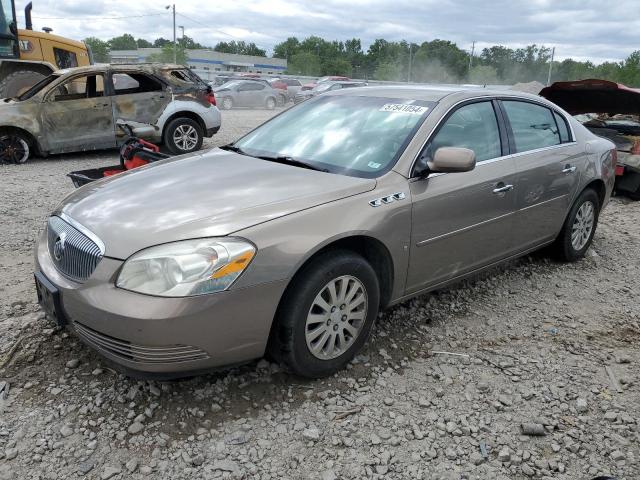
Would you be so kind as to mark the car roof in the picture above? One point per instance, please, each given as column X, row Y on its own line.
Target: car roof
column 134, row 67
column 431, row 93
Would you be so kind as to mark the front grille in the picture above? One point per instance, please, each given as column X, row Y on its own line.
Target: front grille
column 139, row 353
column 74, row 254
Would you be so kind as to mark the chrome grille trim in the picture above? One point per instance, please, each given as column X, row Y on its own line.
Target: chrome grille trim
column 139, row 353
column 82, row 250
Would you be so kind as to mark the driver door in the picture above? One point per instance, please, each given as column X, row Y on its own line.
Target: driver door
column 77, row 115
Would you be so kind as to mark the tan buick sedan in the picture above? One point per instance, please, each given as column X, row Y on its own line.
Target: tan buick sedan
column 290, row 240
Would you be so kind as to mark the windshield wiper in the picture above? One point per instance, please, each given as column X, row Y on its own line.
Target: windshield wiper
column 232, row 148
column 291, row 161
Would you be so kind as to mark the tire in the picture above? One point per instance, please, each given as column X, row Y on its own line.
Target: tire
column 270, row 103
column 19, row 82
column 227, row 103
column 302, row 324
column 14, row 148
column 183, row 135
column 577, row 232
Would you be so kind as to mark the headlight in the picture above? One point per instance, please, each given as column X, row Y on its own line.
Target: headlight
column 191, row 267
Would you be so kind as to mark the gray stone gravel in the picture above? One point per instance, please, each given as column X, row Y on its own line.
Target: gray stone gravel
column 535, row 336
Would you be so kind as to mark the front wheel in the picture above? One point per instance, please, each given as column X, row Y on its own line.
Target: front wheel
column 326, row 316
column 183, row 135
column 579, row 227
column 14, row 148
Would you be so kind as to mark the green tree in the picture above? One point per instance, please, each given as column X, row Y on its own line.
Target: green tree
column 304, row 63
column 161, row 42
column 337, row 66
column 483, row 75
column 241, row 48
column 142, row 43
column 189, row 43
column 166, row 55
column 286, row 49
column 123, row 42
column 99, row 49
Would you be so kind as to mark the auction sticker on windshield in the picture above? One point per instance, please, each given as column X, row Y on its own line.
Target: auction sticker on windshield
column 403, row 108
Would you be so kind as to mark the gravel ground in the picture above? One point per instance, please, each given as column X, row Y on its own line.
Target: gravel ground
column 530, row 371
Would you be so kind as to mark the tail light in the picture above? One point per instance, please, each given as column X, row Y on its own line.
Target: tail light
column 211, row 98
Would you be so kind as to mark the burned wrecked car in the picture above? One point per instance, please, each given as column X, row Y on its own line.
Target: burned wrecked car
column 79, row 109
column 610, row 110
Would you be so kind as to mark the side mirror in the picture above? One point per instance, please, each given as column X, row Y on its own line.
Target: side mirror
column 452, row 159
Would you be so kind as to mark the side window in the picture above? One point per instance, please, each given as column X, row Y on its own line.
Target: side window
column 563, row 128
column 126, row 83
column 473, row 126
column 533, row 125
column 337, row 86
column 77, row 88
column 65, row 58
column 257, row 86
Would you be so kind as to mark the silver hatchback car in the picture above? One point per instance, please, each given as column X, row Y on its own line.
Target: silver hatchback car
column 291, row 239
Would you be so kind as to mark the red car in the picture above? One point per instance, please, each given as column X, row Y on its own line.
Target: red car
column 333, row 78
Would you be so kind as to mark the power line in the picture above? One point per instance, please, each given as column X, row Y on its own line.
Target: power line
column 101, row 18
column 208, row 26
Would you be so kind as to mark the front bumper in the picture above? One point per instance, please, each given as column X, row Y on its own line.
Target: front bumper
column 166, row 336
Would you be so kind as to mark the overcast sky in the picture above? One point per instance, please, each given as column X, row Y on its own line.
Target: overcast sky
column 597, row 30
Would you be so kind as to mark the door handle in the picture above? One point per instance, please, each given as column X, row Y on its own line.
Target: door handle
column 569, row 168
column 101, row 105
column 504, row 188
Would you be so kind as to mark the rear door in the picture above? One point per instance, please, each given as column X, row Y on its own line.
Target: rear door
column 76, row 115
column 549, row 162
column 139, row 99
column 463, row 221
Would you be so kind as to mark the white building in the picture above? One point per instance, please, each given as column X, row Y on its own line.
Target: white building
column 209, row 61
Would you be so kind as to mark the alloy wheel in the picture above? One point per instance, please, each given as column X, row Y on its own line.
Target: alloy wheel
column 13, row 149
column 336, row 317
column 185, row 137
column 582, row 226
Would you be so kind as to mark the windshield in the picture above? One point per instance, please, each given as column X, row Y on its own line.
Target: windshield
column 323, row 87
column 38, row 86
column 231, row 84
column 351, row 135
column 7, row 39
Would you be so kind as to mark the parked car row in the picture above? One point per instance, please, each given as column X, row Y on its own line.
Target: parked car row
column 326, row 86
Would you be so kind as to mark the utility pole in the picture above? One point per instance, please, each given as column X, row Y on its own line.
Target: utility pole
column 473, row 49
column 175, row 46
column 410, row 63
column 553, row 52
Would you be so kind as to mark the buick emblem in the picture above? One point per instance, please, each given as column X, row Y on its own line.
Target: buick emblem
column 58, row 247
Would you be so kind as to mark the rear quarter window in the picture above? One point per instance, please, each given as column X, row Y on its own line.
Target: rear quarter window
column 563, row 128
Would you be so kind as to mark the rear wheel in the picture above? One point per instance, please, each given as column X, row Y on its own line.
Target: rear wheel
column 579, row 227
column 19, row 82
column 227, row 103
column 271, row 103
column 326, row 316
column 183, row 135
column 14, row 148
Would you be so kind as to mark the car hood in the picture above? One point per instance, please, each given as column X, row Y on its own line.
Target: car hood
column 214, row 193
column 593, row 96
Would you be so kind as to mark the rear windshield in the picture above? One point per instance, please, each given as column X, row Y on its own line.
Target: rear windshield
column 182, row 76
column 351, row 135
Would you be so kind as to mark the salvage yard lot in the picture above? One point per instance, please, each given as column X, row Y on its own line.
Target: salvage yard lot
column 440, row 391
